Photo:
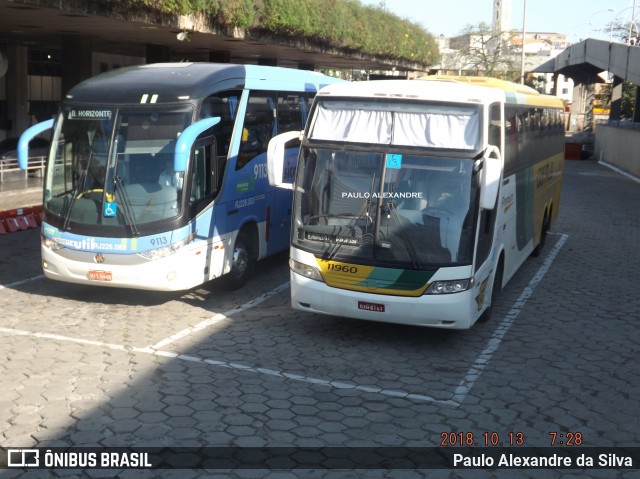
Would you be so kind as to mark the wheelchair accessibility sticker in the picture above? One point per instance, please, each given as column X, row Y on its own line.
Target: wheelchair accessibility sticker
column 110, row 209
column 394, row 161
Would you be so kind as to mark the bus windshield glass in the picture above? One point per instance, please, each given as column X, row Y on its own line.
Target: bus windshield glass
column 400, row 208
column 115, row 167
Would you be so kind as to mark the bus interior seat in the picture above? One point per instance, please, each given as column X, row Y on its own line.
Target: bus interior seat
column 85, row 210
column 446, row 202
column 152, row 201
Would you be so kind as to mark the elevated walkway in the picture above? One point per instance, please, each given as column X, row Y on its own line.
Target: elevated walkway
column 591, row 57
column 615, row 142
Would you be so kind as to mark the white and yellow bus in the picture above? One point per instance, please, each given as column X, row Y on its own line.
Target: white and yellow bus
column 416, row 201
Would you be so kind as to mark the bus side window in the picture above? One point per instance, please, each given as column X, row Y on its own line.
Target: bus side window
column 259, row 127
column 495, row 125
column 225, row 106
column 207, row 172
column 291, row 111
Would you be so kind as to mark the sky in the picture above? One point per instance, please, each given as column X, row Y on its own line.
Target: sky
column 578, row 19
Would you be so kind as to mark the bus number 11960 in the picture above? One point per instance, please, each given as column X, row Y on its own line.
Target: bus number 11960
column 342, row 268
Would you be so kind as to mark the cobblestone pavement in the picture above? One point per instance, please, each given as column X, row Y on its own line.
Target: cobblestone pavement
column 86, row 366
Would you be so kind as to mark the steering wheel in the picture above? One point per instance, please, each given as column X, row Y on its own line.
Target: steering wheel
column 86, row 192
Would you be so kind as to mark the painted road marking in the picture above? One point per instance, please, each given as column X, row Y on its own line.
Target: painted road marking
column 21, row 282
column 476, row 369
column 458, row 396
column 217, row 318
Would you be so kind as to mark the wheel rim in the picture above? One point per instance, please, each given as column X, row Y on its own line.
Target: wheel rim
column 240, row 262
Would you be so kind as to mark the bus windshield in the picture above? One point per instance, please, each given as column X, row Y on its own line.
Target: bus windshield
column 397, row 208
column 115, row 167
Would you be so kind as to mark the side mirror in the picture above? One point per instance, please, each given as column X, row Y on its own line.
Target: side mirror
column 275, row 158
column 25, row 138
column 186, row 140
column 490, row 177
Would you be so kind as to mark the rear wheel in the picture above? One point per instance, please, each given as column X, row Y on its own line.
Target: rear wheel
column 242, row 262
column 496, row 291
column 543, row 237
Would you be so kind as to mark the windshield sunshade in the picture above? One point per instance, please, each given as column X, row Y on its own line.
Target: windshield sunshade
column 424, row 125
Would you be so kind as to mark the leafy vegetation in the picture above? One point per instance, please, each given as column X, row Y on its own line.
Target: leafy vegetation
column 334, row 23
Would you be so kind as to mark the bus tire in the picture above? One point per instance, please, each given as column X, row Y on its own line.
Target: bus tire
column 496, row 291
column 543, row 237
column 242, row 262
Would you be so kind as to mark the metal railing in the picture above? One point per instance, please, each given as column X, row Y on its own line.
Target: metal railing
column 625, row 124
column 10, row 165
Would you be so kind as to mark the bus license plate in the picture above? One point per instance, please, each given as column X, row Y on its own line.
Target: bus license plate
column 100, row 275
column 375, row 307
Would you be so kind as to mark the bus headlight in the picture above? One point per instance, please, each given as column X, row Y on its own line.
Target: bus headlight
column 449, row 287
column 165, row 251
column 50, row 244
column 305, row 270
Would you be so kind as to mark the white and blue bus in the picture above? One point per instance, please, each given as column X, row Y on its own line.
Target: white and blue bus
column 157, row 179
column 415, row 201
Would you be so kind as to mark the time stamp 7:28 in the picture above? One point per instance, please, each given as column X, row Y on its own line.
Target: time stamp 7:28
column 467, row 439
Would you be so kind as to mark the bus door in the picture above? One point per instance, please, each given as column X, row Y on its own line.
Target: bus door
column 484, row 265
column 292, row 110
column 254, row 197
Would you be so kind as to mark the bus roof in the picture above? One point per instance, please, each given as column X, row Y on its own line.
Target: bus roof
column 524, row 93
column 413, row 90
column 448, row 89
column 182, row 81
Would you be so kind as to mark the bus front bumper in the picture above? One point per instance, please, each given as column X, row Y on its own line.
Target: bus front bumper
column 450, row 311
column 181, row 271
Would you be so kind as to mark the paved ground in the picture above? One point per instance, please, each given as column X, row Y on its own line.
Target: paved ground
column 87, row 366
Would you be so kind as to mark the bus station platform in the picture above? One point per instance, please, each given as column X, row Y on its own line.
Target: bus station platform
column 20, row 193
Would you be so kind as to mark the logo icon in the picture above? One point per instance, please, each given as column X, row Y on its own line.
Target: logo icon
column 23, row 458
column 99, row 258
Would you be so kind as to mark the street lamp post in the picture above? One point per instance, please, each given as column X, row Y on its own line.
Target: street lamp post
column 631, row 22
column 633, row 17
column 524, row 23
column 590, row 22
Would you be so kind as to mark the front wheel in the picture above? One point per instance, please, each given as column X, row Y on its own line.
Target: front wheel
column 496, row 291
column 242, row 262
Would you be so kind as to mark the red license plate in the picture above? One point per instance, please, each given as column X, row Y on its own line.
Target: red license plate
column 375, row 307
column 100, row 275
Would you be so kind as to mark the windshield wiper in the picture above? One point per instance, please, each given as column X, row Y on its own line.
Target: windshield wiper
column 69, row 202
column 364, row 213
column 126, row 206
column 392, row 213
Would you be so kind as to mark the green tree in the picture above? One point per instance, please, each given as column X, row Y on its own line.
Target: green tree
column 629, row 92
column 481, row 51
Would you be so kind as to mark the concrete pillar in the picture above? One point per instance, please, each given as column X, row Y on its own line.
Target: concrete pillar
column 306, row 66
column 270, row 62
column 158, row 54
column 220, row 56
column 616, row 99
column 588, row 110
column 556, row 78
column 77, row 52
column 17, row 89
